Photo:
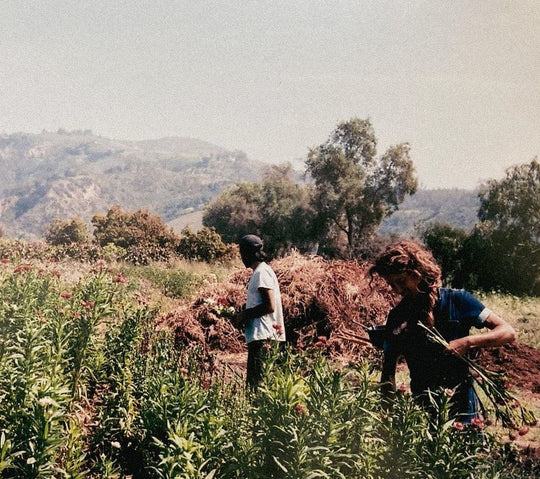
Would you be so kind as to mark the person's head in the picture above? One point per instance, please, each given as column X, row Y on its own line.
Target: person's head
column 251, row 250
column 410, row 269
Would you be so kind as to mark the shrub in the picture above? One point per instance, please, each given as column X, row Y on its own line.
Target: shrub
column 67, row 232
column 143, row 235
column 204, row 245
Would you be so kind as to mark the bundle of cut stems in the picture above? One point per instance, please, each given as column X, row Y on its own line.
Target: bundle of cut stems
column 507, row 408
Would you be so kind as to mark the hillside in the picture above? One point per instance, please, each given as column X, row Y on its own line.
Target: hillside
column 456, row 207
column 67, row 174
column 63, row 175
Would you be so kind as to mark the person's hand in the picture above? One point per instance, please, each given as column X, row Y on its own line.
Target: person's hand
column 458, row 347
column 240, row 319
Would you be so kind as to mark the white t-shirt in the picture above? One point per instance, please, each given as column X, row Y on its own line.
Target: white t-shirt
column 269, row 326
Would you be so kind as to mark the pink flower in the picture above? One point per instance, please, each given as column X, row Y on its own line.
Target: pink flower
column 458, row 426
column 403, row 389
column 66, row 294
column 120, row 279
column 278, row 328
column 300, row 409
column 5, row 260
column 88, row 304
column 478, row 423
column 23, row 268
column 449, row 392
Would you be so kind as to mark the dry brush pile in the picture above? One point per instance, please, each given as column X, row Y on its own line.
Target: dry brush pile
column 322, row 301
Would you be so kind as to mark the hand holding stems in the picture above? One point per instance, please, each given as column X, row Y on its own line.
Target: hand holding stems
column 507, row 407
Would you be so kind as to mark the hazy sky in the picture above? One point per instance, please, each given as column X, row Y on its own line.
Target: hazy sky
column 459, row 80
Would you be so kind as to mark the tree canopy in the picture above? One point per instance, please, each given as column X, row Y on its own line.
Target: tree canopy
column 278, row 210
column 354, row 189
column 510, row 227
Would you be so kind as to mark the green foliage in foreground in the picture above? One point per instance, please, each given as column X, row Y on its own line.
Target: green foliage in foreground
column 89, row 389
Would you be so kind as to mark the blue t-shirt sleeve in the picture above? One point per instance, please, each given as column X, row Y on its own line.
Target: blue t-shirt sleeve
column 472, row 310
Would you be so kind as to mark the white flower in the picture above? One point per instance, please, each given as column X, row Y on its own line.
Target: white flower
column 45, row 401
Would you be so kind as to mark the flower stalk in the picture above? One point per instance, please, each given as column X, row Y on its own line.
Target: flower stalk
column 507, row 408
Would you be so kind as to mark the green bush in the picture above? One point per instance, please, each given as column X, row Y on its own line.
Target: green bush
column 204, row 245
column 143, row 235
column 67, row 232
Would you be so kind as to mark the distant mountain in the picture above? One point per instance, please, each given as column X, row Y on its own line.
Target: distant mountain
column 63, row 175
column 457, row 207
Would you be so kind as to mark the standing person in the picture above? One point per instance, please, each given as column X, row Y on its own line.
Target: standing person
column 412, row 272
column 263, row 315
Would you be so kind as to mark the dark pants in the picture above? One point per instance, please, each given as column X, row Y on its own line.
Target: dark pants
column 258, row 351
column 255, row 363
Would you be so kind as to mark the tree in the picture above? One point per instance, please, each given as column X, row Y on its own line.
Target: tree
column 510, row 226
column 279, row 210
column 67, row 232
column 355, row 190
column 235, row 212
column 141, row 233
column 204, row 245
column 446, row 244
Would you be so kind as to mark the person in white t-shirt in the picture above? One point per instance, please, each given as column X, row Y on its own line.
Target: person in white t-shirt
column 263, row 314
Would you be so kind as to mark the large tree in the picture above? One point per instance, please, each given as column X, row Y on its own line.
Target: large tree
column 278, row 209
column 510, row 227
column 354, row 189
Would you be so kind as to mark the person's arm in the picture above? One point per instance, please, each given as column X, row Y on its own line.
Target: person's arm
column 500, row 332
column 267, row 306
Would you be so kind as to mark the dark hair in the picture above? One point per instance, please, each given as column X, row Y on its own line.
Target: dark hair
column 409, row 256
column 251, row 247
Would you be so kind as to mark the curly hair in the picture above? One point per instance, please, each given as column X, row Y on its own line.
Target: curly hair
column 409, row 256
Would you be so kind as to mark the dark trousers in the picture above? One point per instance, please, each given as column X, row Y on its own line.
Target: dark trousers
column 255, row 363
column 258, row 353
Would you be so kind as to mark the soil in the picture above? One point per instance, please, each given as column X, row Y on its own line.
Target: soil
column 333, row 302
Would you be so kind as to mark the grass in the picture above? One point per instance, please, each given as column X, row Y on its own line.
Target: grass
column 523, row 313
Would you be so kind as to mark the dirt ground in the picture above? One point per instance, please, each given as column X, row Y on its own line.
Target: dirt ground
column 335, row 301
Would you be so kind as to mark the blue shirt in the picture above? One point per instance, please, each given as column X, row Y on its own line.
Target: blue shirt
column 455, row 312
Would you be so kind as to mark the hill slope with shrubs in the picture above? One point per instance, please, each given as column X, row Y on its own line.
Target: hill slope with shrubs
column 62, row 175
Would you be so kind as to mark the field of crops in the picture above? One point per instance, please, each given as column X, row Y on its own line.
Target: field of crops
column 91, row 388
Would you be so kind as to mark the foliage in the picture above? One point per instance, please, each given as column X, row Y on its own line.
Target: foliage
column 355, row 190
column 144, row 235
column 510, row 227
column 67, row 232
column 278, row 210
column 446, row 244
column 91, row 388
column 170, row 281
column 204, row 245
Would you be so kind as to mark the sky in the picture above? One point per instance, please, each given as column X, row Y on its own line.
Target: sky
column 458, row 80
